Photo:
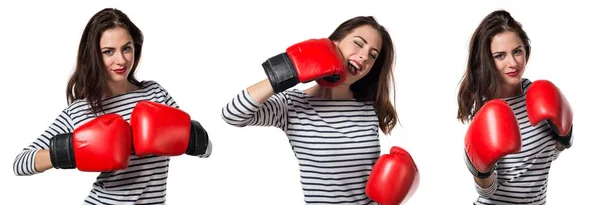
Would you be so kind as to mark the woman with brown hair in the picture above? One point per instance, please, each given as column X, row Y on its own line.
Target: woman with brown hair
column 333, row 127
column 518, row 127
column 92, row 133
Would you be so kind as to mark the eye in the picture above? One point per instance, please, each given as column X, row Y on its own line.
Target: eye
column 499, row 56
column 358, row 44
column 127, row 49
column 374, row 55
column 518, row 52
column 108, row 52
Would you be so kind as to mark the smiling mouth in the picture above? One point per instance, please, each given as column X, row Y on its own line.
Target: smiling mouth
column 119, row 71
column 354, row 67
column 513, row 73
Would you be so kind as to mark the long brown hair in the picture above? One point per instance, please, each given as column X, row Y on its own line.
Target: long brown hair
column 481, row 81
column 376, row 85
column 88, row 81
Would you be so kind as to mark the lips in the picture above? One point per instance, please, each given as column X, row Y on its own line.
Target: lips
column 354, row 67
column 119, row 71
column 513, row 73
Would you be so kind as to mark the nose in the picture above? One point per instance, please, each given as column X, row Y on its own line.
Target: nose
column 512, row 61
column 120, row 58
column 363, row 56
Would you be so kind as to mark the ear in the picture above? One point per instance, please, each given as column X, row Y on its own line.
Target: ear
column 337, row 43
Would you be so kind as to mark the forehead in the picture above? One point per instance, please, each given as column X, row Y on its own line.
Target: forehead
column 505, row 41
column 368, row 33
column 117, row 35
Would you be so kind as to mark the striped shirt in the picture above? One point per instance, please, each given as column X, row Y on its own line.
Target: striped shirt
column 336, row 142
column 143, row 182
column 522, row 178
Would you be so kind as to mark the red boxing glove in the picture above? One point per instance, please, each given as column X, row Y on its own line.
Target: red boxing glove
column 545, row 102
column 100, row 145
column 162, row 130
column 493, row 134
column 314, row 59
column 393, row 179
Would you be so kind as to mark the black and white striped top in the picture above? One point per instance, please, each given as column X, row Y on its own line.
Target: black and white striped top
column 336, row 142
column 143, row 182
column 522, row 178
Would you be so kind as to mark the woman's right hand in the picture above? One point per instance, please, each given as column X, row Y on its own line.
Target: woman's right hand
column 493, row 134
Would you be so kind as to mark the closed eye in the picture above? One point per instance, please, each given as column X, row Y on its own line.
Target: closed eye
column 374, row 56
column 358, row 44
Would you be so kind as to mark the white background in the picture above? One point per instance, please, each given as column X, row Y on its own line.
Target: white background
column 205, row 54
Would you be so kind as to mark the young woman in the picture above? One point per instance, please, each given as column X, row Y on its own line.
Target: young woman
column 102, row 94
column 333, row 126
column 518, row 127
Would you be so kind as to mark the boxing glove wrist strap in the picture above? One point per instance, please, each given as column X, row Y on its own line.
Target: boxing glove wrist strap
column 566, row 140
column 475, row 172
column 198, row 140
column 61, row 151
column 281, row 72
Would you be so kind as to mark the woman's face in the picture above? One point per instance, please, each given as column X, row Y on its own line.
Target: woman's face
column 360, row 48
column 509, row 54
column 116, row 46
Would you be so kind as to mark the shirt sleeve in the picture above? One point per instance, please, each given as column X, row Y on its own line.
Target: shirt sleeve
column 489, row 191
column 243, row 111
column 556, row 153
column 168, row 98
column 24, row 164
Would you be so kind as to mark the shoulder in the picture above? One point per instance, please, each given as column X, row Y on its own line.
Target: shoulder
column 77, row 106
column 525, row 83
column 294, row 94
column 152, row 86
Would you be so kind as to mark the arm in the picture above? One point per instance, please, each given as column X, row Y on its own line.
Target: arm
column 486, row 187
column 35, row 158
column 261, row 91
column 560, row 147
column 485, row 182
column 545, row 102
column 257, row 106
column 557, row 150
column 314, row 59
column 493, row 134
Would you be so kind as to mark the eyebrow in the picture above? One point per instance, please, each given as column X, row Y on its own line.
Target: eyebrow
column 499, row 52
column 361, row 38
column 129, row 42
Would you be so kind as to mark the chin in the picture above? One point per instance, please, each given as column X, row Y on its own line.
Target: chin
column 349, row 82
column 118, row 79
column 513, row 81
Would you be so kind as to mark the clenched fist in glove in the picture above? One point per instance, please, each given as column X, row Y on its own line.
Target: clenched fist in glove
column 393, row 179
column 493, row 134
column 100, row 145
column 162, row 130
column 314, row 59
column 544, row 101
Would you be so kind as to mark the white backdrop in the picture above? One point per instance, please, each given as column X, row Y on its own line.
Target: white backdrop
column 204, row 54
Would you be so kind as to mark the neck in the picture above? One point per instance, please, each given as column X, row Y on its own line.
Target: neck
column 510, row 90
column 341, row 92
column 117, row 88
